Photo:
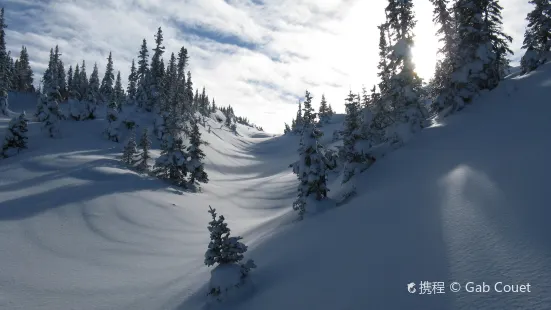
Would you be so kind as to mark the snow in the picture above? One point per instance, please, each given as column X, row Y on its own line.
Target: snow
column 464, row 200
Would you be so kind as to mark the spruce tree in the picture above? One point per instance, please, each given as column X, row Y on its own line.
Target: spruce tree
column 132, row 85
column 4, row 74
column 323, row 111
column 106, row 88
column 537, row 38
column 83, row 80
column 4, row 102
column 24, row 72
column 130, row 150
column 70, row 85
column 16, row 136
column 310, row 169
column 92, row 95
column 298, row 120
column 52, row 112
column 143, row 158
column 222, row 248
column 196, row 156
column 156, row 72
column 404, row 87
column 113, row 125
column 172, row 164
column 352, row 133
column 118, row 92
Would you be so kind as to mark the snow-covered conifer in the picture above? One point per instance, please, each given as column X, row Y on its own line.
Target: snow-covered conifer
column 172, row 164
column 92, row 96
column 323, row 111
column 106, row 88
column 143, row 158
column 16, row 136
column 311, row 168
column 132, row 85
column 352, row 133
column 130, row 150
column 118, row 92
column 537, row 38
column 52, row 115
column 196, row 155
column 227, row 252
column 4, row 102
column 112, row 132
column 287, row 129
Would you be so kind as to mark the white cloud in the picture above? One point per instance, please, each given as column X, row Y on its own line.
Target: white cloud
column 285, row 46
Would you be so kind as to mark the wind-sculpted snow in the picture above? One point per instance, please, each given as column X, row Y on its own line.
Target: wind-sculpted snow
column 465, row 200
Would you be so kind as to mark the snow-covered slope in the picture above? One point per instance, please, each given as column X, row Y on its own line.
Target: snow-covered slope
column 465, row 200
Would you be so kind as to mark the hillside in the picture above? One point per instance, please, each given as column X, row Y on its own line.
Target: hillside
column 465, row 200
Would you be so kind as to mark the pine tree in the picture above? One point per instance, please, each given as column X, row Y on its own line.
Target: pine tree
column 92, row 95
column 4, row 102
column 75, row 83
column 222, row 248
column 16, row 136
column 113, row 124
column 310, row 169
column 172, row 164
column 83, row 80
column 4, row 74
column 70, row 85
column 144, row 145
column 323, row 111
column 106, row 88
column 287, row 128
column 537, row 38
column 130, row 150
column 24, row 73
column 196, row 156
column 52, row 113
column 118, row 92
column 308, row 116
column 299, row 124
column 157, row 72
column 132, row 84
column 499, row 42
column 403, row 89
column 352, row 133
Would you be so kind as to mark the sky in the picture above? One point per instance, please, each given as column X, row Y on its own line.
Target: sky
column 257, row 55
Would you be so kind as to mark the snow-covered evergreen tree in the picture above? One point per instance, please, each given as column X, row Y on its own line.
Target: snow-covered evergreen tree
column 143, row 158
column 299, row 124
column 132, row 85
column 106, row 88
column 130, row 150
column 537, row 38
column 287, row 128
column 227, row 252
column 5, row 79
column 403, row 89
column 311, row 168
column 83, row 82
column 323, row 111
column 112, row 132
column 92, row 96
column 196, row 155
column 118, row 92
column 157, row 72
column 23, row 72
column 352, row 133
column 3, row 102
column 172, row 164
column 16, row 136
column 52, row 113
